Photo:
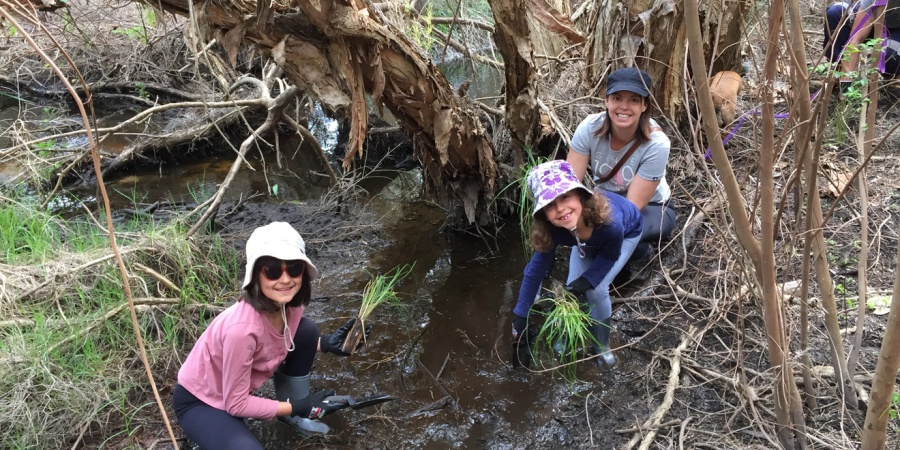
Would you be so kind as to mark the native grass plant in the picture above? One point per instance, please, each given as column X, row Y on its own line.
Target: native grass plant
column 380, row 290
column 565, row 334
column 69, row 368
column 525, row 202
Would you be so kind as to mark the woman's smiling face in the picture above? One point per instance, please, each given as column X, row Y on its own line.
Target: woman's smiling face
column 282, row 289
column 625, row 108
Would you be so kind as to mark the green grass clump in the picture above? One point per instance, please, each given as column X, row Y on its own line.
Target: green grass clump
column 68, row 356
column 565, row 326
column 380, row 290
column 26, row 234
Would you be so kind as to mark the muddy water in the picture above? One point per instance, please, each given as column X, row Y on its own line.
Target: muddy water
column 445, row 355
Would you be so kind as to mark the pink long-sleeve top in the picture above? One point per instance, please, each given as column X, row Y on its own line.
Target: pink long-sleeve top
column 234, row 356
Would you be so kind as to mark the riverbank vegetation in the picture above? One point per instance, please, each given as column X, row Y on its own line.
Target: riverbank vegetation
column 783, row 234
column 68, row 354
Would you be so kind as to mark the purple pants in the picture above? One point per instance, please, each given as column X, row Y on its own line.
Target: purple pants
column 841, row 29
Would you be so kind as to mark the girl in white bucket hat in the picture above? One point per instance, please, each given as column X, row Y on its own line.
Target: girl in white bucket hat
column 602, row 229
column 264, row 333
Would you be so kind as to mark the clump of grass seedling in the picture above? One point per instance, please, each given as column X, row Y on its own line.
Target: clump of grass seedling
column 565, row 331
column 525, row 203
column 26, row 235
column 379, row 291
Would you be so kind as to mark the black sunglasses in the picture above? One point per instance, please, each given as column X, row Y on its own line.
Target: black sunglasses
column 273, row 270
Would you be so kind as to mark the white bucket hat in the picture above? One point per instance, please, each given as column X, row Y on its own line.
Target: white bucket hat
column 278, row 240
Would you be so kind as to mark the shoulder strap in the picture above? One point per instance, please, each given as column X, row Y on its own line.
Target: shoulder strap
column 619, row 164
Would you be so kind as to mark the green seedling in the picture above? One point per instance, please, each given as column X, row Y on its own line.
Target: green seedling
column 565, row 333
column 379, row 291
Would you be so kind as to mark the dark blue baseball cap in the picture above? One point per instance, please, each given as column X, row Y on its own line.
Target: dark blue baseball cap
column 629, row 79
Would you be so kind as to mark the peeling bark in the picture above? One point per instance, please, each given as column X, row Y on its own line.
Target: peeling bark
column 340, row 51
column 651, row 35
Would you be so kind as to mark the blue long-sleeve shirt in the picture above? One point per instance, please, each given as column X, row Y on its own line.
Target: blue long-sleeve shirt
column 624, row 222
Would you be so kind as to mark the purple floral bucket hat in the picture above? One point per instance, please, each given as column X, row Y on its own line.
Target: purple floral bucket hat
column 550, row 180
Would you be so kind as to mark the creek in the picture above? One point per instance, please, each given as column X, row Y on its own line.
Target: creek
column 445, row 355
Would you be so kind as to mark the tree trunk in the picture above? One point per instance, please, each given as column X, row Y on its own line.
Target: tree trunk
column 650, row 35
column 874, row 431
column 338, row 52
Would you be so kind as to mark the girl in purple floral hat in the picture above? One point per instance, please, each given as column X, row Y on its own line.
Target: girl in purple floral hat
column 603, row 230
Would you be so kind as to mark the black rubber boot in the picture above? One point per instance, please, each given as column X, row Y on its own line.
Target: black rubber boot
column 296, row 387
column 601, row 334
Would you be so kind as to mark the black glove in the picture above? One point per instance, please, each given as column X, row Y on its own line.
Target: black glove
column 334, row 343
column 518, row 325
column 313, row 406
column 523, row 341
column 578, row 287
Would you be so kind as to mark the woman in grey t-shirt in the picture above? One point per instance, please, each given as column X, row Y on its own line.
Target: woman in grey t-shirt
column 601, row 140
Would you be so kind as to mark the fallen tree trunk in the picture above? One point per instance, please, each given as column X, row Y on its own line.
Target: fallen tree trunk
column 339, row 52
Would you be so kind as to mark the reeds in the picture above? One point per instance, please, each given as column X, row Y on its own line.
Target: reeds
column 565, row 333
column 525, row 203
column 378, row 291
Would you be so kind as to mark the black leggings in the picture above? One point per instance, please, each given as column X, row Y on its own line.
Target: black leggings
column 214, row 429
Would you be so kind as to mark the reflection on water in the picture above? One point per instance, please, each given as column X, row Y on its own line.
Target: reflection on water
column 296, row 175
column 486, row 81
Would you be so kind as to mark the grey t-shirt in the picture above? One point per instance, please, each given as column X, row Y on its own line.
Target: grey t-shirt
column 648, row 160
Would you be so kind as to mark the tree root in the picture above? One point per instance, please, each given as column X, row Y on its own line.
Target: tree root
column 653, row 423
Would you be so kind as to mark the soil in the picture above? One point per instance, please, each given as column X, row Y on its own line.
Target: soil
column 446, row 354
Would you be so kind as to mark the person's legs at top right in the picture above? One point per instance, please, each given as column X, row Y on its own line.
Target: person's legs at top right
column 659, row 221
column 892, row 55
column 838, row 22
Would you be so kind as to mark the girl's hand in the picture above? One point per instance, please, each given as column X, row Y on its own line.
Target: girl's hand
column 334, row 343
column 578, row 287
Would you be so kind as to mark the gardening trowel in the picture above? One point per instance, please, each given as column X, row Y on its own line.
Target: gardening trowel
column 343, row 401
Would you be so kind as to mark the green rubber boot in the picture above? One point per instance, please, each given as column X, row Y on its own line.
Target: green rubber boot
column 297, row 387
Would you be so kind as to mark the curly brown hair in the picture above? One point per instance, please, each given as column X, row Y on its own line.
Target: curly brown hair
column 595, row 210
